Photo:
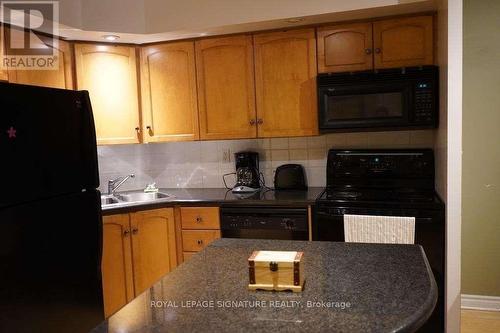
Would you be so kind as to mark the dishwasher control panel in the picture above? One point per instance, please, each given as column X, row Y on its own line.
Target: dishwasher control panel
column 264, row 222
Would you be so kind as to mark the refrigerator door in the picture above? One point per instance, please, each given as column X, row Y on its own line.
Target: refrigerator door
column 50, row 279
column 47, row 142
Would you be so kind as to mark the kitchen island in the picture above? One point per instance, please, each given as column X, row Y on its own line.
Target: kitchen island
column 349, row 287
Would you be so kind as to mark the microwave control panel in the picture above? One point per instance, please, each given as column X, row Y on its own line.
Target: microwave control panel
column 424, row 101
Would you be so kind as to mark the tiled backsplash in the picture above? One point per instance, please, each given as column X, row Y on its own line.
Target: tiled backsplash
column 201, row 164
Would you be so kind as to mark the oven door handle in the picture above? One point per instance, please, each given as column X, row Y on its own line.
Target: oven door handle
column 329, row 215
column 417, row 219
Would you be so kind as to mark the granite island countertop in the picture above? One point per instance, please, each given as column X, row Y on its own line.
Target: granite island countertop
column 222, row 196
column 349, row 287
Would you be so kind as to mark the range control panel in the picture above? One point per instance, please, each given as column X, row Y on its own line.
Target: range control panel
column 358, row 166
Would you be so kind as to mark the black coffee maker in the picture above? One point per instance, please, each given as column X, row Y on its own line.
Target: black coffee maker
column 247, row 172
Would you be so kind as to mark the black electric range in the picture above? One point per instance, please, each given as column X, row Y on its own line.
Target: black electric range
column 390, row 182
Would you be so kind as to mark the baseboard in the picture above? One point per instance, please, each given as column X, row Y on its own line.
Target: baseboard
column 480, row 302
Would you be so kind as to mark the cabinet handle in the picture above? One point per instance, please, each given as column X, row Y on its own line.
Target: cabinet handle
column 260, row 121
column 148, row 127
column 199, row 219
column 126, row 232
column 252, row 122
column 135, row 231
column 378, row 50
column 137, row 129
column 368, row 51
column 199, row 241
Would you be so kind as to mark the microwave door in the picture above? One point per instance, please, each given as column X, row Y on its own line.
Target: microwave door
column 357, row 106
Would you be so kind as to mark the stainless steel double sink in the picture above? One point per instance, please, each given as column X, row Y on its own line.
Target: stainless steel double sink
column 126, row 198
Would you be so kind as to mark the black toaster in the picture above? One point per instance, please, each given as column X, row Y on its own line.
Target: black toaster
column 290, row 177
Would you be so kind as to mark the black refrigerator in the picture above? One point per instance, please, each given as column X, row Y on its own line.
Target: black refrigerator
column 50, row 212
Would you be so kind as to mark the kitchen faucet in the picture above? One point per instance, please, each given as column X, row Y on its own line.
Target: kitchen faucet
column 115, row 183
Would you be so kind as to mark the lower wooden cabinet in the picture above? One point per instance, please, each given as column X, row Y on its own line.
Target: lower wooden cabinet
column 138, row 249
column 116, row 266
column 196, row 240
column 4, row 76
column 153, row 246
column 187, row 255
column 198, row 227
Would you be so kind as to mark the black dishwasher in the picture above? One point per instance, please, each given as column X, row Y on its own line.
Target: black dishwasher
column 263, row 222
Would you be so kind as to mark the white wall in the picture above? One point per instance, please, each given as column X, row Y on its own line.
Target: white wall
column 448, row 147
column 200, row 164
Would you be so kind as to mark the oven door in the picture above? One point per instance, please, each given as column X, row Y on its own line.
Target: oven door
column 429, row 227
column 429, row 233
column 364, row 105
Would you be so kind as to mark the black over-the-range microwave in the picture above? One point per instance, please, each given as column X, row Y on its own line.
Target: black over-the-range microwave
column 390, row 99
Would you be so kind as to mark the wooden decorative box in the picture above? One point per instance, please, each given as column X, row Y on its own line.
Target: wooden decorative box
column 276, row 270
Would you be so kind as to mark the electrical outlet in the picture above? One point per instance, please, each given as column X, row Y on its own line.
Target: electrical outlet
column 226, row 155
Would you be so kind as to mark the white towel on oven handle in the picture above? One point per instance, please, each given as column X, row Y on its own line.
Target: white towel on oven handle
column 379, row 229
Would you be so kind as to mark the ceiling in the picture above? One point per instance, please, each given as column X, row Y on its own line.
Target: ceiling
column 144, row 21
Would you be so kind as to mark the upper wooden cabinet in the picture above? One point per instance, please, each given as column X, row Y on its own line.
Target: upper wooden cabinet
column 153, row 246
column 109, row 73
column 4, row 76
column 343, row 48
column 169, row 100
column 117, row 275
column 226, row 92
column 403, row 42
column 398, row 42
column 62, row 77
column 285, row 80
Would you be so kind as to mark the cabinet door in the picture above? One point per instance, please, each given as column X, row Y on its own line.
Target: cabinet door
column 153, row 246
column 226, row 92
column 109, row 73
column 61, row 77
column 403, row 42
column 169, row 101
column 285, row 80
column 117, row 280
column 344, row 48
column 4, row 76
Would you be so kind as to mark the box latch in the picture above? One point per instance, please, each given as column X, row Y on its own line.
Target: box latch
column 273, row 266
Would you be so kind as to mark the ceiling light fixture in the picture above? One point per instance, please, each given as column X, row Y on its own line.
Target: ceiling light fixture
column 111, row 38
column 295, row 20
